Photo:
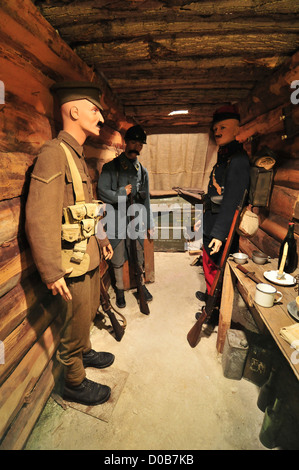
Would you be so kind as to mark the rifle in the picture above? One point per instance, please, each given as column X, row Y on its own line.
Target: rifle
column 194, row 334
column 143, row 306
column 118, row 329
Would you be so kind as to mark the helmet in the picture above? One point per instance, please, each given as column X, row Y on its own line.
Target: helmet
column 136, row 133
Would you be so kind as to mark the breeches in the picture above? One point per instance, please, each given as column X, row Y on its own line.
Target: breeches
column 210, row 263
column 81, row 311
column 120, row 253
column 209, row 268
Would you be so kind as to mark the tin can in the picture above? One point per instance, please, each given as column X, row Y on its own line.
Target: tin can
column 234, row 354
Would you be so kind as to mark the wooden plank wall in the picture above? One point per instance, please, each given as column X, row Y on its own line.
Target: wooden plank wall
column 32, row 57
column 263, row 125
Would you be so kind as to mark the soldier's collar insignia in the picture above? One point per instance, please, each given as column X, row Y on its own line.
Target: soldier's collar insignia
column 124, row 163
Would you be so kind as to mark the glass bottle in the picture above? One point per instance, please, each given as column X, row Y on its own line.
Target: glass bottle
column 272, row 423
column 267, row 393
column 292, row 257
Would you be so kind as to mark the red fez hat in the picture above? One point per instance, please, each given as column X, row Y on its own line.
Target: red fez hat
column 226, row 112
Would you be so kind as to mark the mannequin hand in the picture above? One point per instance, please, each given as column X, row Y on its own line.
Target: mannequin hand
column 151, row 232
column 60, row 287
column 215, row 244
column 197, row 226
column 108, row 251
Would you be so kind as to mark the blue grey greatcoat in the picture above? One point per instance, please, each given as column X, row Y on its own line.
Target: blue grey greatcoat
column 232, row 173
column 115, row 175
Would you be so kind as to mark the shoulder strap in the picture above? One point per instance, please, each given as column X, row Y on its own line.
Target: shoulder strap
column 224, row 176
column 76, row 178
column 117, row 166
column 142, row 174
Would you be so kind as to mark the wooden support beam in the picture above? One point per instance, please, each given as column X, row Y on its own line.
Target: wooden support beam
column 153, row 26
column 19, row 385
column 20, row 429
column 226, row 308
column 106, row 11
column 14, row 174
column 23, row 337
column 252, row 45
column 12, row 270
column 15, row 303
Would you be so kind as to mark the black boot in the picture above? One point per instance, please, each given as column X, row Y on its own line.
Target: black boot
column 120, row 298
column 100, row 360
column 202, row 296
column 87, row 393
column 147, row 294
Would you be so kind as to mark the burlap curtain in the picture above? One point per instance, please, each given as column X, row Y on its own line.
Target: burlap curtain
column 183, row 160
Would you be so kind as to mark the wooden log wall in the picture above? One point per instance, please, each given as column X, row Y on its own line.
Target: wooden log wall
column 32, row 57
column 264, row 125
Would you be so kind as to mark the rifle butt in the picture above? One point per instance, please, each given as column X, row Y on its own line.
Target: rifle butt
column 194, row 334
column 117, row 328
column 143, row 305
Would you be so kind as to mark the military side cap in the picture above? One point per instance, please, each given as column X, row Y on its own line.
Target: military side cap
column 76, row 90
column 226, row 112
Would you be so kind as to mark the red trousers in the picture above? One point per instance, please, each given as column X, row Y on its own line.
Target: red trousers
column 209, row 269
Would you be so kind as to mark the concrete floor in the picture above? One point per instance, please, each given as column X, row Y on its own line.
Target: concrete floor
column 175, row 397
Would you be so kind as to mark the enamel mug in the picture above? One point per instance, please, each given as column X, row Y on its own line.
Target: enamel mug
column 266, row 295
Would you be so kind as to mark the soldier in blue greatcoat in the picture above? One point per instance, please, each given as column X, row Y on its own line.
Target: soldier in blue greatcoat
column 121, row 179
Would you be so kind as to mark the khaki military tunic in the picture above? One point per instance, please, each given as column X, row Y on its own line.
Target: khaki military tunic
column 51, row 190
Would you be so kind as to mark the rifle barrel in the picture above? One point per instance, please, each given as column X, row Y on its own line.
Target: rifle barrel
column 143, row 306
column 118, row 329
column 194, row 334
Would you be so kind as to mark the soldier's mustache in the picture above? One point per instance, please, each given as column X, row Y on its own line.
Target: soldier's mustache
column 100, row 124
column 133, row 152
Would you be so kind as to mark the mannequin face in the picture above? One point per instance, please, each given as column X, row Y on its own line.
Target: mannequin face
column 81, row 119
column 133, row 148
column 225, row 131
column 88, row 116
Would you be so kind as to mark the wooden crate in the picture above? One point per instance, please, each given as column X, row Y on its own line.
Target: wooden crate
column 171, row 223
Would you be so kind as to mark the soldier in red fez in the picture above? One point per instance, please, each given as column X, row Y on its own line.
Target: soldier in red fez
column 228, row 180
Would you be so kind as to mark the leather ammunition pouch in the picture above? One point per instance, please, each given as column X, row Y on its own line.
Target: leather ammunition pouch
column 216, row 204
column 212, row 204
column 79, row 225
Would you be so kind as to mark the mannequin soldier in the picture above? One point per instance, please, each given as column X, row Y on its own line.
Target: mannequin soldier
column 60, row 204
column 228, row 180
column 120, row 178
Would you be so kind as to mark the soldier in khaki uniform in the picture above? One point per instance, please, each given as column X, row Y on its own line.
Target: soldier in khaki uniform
column 61, row 219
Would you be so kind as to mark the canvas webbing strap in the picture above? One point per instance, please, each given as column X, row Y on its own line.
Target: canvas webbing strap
column 76, row 178
column 79, row 248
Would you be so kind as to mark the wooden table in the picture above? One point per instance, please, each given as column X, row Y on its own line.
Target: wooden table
column 273, row 318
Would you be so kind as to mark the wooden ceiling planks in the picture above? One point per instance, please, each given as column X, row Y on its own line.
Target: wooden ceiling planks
column 162, row 55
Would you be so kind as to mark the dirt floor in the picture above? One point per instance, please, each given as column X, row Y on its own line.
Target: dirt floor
column 174, row 397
